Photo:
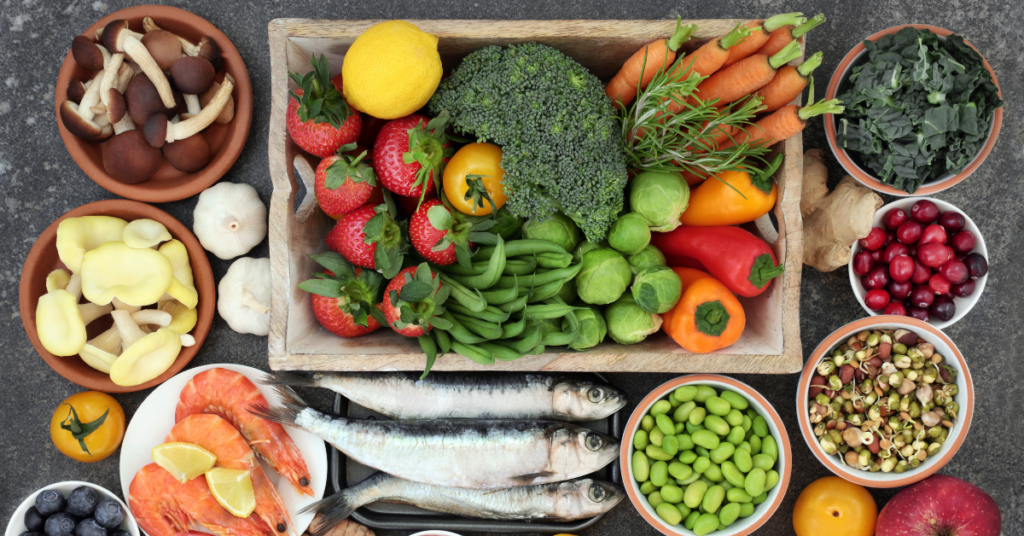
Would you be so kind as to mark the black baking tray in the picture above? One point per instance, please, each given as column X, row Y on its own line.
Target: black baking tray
column 395, row 516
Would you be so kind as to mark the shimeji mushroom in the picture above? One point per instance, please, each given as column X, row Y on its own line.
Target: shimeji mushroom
column 183, row 319
column 57, row 279
column 101, row 351
column 78, row 118
column 160, row 131
column 228, row 113
column 207, row 48
column 230, row 219
column 122, row 306
column 189, row 155
column 135, row 276
column 76, row 90
column 143, row 101
column 243, row 296
column 61, row 321
column 145, row 233
column 164, row 47
column 129, row 158
column 144, row 356
column 76, row 236
column 89, row 54
column 118, row 38
column 182, row 287
column 152, row 317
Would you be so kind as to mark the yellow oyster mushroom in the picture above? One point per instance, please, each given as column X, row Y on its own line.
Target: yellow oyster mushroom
column 61, row 321
column 57, row 279
column 78, row 236
column 183, row 319
column 101, row 351
column 135, row 276
column 144, row 233
column 182, row 286
column 147, row 358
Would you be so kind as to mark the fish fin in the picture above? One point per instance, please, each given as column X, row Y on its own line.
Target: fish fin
column 290, row 378
column 528, row 479
column 332, row 510
column 286, row 413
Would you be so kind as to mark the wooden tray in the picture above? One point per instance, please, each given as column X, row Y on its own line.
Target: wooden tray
column 769, row 345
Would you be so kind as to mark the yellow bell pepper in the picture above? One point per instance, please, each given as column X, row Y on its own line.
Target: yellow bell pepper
column 732, row 198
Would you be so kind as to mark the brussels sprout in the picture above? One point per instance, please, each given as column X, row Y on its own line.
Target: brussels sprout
column 568, row 292
column 508, row 226
column 558, row 229
column 604, row 276
column 657, row 289
column 660, row 197
column 583, row 247
column 592, row 328
column 649, row 257
column 628, row 323
column 629, row 234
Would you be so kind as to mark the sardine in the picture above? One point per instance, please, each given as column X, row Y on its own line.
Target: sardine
column 401, row 395
column 461, row 453
column 564, row 501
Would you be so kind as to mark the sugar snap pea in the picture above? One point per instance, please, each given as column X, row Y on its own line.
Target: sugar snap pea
column 513, row 329
column 487, row 330
column 524, row 246
column 473, row 352
column 499, row 296
column 489, row 314
column 458, row 269
column 537, row 279
column 561, row 338
column 459, row 331
column 513, row 306
column 553, row 310
column 501, row 353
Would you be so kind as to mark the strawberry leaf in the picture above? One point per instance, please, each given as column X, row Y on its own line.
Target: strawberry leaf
column 429, row 347
column 415, row 291
column 349, row 168
column 441, row 295
column 440, row 323
column 378, row 315
column 463, row 255
column 484, row 225
column 327, row 288
column 483, row 238
column 439, row 217
column 320, row 101
column 334, row 262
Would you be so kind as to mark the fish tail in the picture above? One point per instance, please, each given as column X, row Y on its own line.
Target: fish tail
column 332, row 511
column 286, row 413
column 293, row 379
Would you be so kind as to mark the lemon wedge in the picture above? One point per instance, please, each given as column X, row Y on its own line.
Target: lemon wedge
column 184, row 461
column 233, row 490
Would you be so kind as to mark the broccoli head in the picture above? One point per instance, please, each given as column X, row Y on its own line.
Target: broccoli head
column 560, row 134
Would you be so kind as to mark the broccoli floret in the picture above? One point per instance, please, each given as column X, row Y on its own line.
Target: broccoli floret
column 560, row 134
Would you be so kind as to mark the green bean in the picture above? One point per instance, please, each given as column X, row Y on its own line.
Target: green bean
column 691, row 520
column 641, row 467
column 647, row 423
column 694, row 494
column 524, row 246
column 499, row 296
column 647, row 488
column 755, row 445
column 527, row 340
column 704, row 392
column 470, row 299
column 683, row 411
column 670, row 445
column 668, row 513
column 458, row 269
column 687, row 456
column 755, row 481
column 764, row 462
column 489, row 314
column 655, row 500
column 713, row 499
column 672, row 494
column 685, row 393
column 743, row 460
column 657, row 436
column 706, row 439
column 443, row 340
column 655, row 452
column 701, row 464
column 735, row 436
column 760, row 427
column 550, row 310
column 659, row 473
column 770, row 448
column 705, row 524
column 722, row 452
column 501, row 353
column 487, row 330
column 513, row 306
column 474, row 353
column 665, row 424
column 513, row 329
column 459, row 331
column 716, row 424
column 554, row 260
column 729, row 514
column 732, row 474
column 679, row 471
column 714, row 473
column 735, row 400
column 717, row 406
column 685, row 441
column 524, row 266
column 641, row 440
column 561, row 338
column 760, row 498
column 771, row 478
column 734, row 417
column 542, row 292
column 538, row 279
column 660, row 407
column 746, row 510
column 697, row 416
column 495, row 265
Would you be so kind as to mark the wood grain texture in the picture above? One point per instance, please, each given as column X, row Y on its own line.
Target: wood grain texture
column 769, row 345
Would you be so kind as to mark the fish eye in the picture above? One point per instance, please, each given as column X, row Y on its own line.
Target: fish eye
column 596, row 493
column 594, row 442
column 595, row 394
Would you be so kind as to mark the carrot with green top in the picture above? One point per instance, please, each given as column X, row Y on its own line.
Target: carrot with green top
column 745, row 77
column 788, row 84
column 710, row 57
column 760, row 31
column 785, row 122
column 787, row 34
column 641, row 67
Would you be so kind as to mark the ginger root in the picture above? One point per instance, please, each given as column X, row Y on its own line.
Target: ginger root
column 833, row 221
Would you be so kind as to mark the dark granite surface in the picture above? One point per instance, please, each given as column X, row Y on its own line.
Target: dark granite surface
column 39, row 181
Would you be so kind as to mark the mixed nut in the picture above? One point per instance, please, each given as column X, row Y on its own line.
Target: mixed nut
column 883, row 401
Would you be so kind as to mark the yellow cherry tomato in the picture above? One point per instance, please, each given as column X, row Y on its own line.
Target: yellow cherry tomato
column 87, row 426
column 834, row 507
column 480, row 163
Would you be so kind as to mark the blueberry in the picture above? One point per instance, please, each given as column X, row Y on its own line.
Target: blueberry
column 58, row 524
column 90, row 527
column 50, row 502
column 34, row 521
column 82, row 501
column 27, row 533
column 118, row 532
column 108, row 514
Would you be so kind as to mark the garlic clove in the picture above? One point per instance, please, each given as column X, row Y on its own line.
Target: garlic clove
column 230, row 219
column 243, row 296
column 144, row 233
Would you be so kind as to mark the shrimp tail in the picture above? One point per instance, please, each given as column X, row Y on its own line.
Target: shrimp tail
column 286, row 413
column 332, row 511
column 291, row 379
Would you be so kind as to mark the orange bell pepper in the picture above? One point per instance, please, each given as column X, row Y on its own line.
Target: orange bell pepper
column 735, row 197
column 708, row 316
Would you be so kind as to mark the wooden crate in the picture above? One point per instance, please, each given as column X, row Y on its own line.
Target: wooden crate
column 770, row 343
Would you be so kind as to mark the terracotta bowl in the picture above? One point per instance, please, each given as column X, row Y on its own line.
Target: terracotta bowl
column 226, row 141
column 742, row 526
column 943, row 182
column 42, row 259
column 965, row 397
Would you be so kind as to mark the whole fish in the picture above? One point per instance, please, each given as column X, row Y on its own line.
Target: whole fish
column 563, row 501
column 402, row 395
column 461, row 453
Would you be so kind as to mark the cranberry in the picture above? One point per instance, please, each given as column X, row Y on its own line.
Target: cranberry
column 922, row 297
column 954, row 271
column 976, row 265
column 876, row 279
column 939, row 284
column 932, row 255
column 921, row 273
column 890, row 237
column 876, row 256
column 874, row 240
column 894, row 218
column 918, row 313
column 895, row 308
column 924, row 211
column 901, row 268
column 876, row 300
column 862, row 262
column 953, row 222
column 933, row 233
column 909, row 232
column 952, row 252
column 894, row 250
column 963, row 242
column 943, row 308
column 964, row 289
column 899, row 290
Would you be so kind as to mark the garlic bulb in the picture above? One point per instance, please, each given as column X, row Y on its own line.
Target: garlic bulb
column 243, row 296
column 230, row 219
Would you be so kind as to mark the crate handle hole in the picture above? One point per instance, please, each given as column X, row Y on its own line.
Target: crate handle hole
column 306, row 191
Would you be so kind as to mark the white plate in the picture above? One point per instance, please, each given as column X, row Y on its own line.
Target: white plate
column 155, row 418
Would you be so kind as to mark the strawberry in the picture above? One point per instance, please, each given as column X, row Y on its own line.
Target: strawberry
column 318, row 118
column 370, row 237
column 343, row 296
column 413, row 300
column 441, row 235
column 411, row 151
column 343, row 183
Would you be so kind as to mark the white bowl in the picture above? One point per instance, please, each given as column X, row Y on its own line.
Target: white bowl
column 963, row 305
column 435, row 533
column 17, row 523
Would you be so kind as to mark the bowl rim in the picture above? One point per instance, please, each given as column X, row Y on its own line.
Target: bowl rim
column 840, row 74
column 197, row 259
column 980, row 247
column 868, row 479
column 785, row 448
column 220, row 164
column 18, row 520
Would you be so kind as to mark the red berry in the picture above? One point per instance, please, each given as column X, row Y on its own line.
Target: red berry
column 320, row 139
column 862, row 262
column 876, row 255
column 954, row 271
column 901, row 268
column 352, row 182
column 408, row 135
column 933, row 233
column 963, row 242
column 895, row 308
column 924, row 211
column 933, row 255
column 921, row 273
column 976, row 265
column 943, row 308
column 909, row 232
column 922, row 296
column 328, row 311
column 348, row 238
column 876, row 300
column 939, row 284
column 953, row 222
column 876, row 279
column 424, row 236
column 899, row 290
column 894, row 218
column 894, row 250
column 963, row 290
column 918, row 313
column 421, row 310
column 874, row 240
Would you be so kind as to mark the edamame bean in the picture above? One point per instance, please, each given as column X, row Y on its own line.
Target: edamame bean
column 669, row 513
column 640, row 440
column 744, row 446
column 770, row 447
column 743, row 460
column 679, row 471
column 735, row 436
column 705, row 524
column 760, row 426
column 672, row 494
column 763, row 462
column 706, row 439
column 671, row 445
column 734, row 417
column 647, row 423
column 701, row 451
column 697, row 416
column 747, row 423
column 704, row 392
column 717, row 425
column 694, row 494
column 647, row 488
column 659, row 473
column 713, row 499
column 746, row 510
column 665, row 424
column 685, row 393
column 735, row 400
column 683, row 411
column 755, row 444
column 760, row 498
column 660, row 407
column 691, row 428
column 717, row 406
column 754, row 483
column 687, row 456
column 688, row 480
column 690, row 520
column 738, row 495
column 701, row 464
column 655, row 499
column 729, row 514
column 732, row 474
column 685, row 441
column 770, row 480
column 714, row 474
column 752, row 413
column 680, row 428
column 723, row 452
column 656, row 437
column 655, row 452
column 683, row 509
column 672, row 400
column 641, row 467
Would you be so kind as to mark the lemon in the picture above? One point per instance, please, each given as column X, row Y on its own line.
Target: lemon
column 184, row 461
column 233, row 490
column 391, row 70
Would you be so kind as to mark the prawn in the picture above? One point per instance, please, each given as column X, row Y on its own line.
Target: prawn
column 164, row 507
column 222, row 439
column 227, row 393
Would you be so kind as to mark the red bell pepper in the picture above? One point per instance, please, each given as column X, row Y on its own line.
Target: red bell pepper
column 740, row 260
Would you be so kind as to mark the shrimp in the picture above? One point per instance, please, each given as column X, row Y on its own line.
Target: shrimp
column 227, row 393
column 164, row 507
column 218, row 436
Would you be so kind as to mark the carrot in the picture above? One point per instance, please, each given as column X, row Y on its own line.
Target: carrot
column 707, row 317
column 641, row 67
column 786, row 122
column 788, row 84
column 745, row 77
column 787, row 34
column 711, row 55
column 759, row 33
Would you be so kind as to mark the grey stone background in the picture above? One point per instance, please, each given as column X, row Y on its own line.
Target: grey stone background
column 39, row 181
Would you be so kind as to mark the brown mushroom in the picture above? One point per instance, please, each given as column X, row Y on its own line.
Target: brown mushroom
column 78, row 118
column 159, row 130
column 164, row 47
column 117, row 37
column 88, row 54
column 228, row 113
column 207, row 48
column 76, row 90
column 190, row 154
column 144, row 101
column 129, row 159
column 192, row 75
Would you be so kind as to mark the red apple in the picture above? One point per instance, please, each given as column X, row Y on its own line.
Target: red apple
column 940, row 505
